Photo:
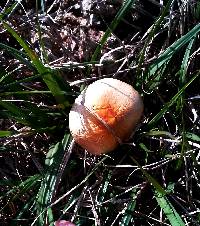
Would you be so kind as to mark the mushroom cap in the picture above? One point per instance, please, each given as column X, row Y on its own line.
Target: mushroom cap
column 104, row 115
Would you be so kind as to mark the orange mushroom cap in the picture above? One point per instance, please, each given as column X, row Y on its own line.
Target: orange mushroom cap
column 104, row 115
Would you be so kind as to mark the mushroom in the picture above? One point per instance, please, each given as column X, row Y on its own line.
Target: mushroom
column 104, row 115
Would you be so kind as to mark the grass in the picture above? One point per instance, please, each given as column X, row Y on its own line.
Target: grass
column 44, row 175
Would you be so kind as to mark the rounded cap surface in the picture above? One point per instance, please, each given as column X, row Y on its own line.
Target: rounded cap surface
column 105, row 114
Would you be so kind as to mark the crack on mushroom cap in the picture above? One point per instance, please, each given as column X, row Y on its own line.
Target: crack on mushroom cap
column 80, row 102
column 92, row 135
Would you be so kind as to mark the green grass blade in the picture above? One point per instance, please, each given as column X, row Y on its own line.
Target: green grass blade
column 181, row 101
column 167, row 55
column 169, row 210
column 7, row 76
column 36, row 62
column 151, row 35
column 17, row 82
column 152, row 180
column 169, row 52
column 127, row 219
column 50, row 217
column 52, row 80
column 183, row 72
column 159, row 133
column 14, row 109
column 186, row 58
column 17, row 54
column 30, row 115
column 128, row 216
column 171, row 102
column 104, row 188
column 28, row 92
column 25, row 93
column 21, row 189
column 6, row 133
column 8, row 10
column 112, row 27
column 39, row 32
column 26, row 208
column 192, row 136
column 162, row 200
column 53, row 161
